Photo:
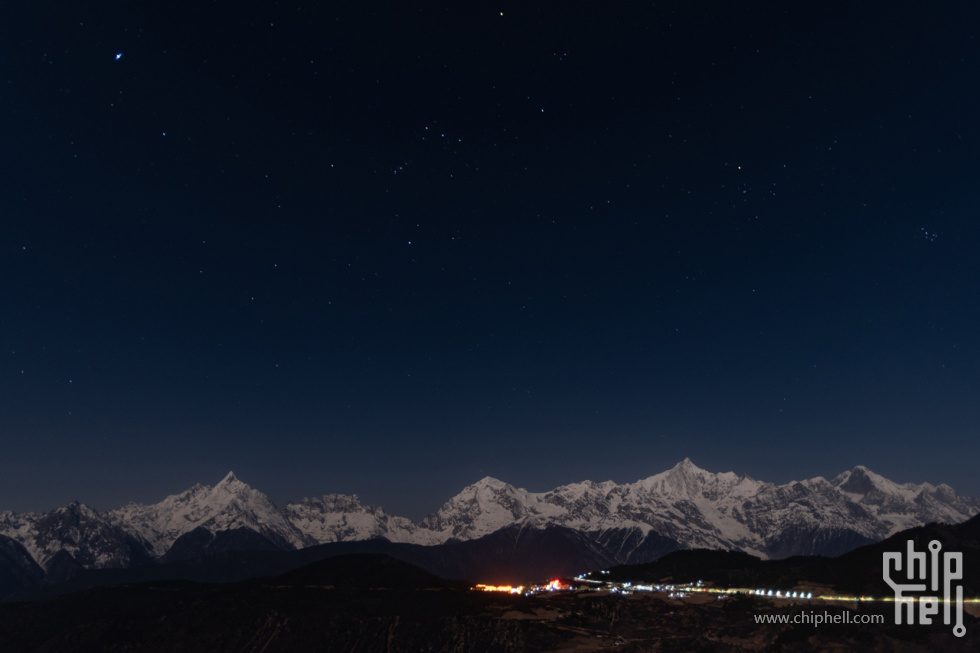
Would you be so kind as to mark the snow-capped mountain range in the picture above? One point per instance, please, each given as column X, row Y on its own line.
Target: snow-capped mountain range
column 683, row 507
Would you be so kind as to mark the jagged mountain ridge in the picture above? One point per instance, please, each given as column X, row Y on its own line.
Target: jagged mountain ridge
column 683, row 507
column 229, row 505
column 697, row 508
column 342, row 518
column 90, row 538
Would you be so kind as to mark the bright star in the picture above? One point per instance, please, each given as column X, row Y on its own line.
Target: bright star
column 118, row 56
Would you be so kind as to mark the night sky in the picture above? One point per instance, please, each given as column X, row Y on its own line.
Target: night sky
column 391, row 248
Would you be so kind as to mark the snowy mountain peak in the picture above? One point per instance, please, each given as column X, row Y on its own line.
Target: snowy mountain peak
column 231, row 488
column 684, row 506
column 77, row 508
column 229, row 504
column 482, row 508
column 861, row 481
column 490, row 482
column 683, row 480
column 688, row 468
column 229, row 479
column 487, row 489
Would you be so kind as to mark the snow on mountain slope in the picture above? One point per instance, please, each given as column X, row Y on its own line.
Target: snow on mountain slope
column 21, row 528
column 697, row 508
column 487, row 506
column 228, row 505
column 903, row 506
column 684, row 506
column 339, row 518
column 91, row 539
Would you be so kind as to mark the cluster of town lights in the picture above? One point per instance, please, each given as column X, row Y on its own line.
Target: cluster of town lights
column 679, row 591
column 508, row 589
column 520, row 589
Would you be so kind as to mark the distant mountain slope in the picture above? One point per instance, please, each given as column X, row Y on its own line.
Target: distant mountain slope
column 17, row 568
column 698, row 509
column 342, row 518
column 89, row 537
column 857, row 572
column 684, row 507
column 228, row 505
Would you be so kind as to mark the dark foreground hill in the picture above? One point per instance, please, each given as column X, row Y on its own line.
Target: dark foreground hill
column 342, row 598
column 363, row 571
column 362, row 602
column 858, row 572
column 511, row 555
column 376, row 603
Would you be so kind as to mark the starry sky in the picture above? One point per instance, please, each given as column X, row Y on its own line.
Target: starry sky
column 391, row 248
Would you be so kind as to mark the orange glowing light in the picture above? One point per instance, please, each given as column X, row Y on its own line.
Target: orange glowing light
column 510, row 589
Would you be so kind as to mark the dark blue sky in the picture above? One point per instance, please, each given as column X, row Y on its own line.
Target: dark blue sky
column 392, row 250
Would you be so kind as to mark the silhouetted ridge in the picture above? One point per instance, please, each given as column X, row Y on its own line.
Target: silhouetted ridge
column 362, row 571
column 201, row 543
column 692, row 564
column 17, row 567
column 857, row 572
